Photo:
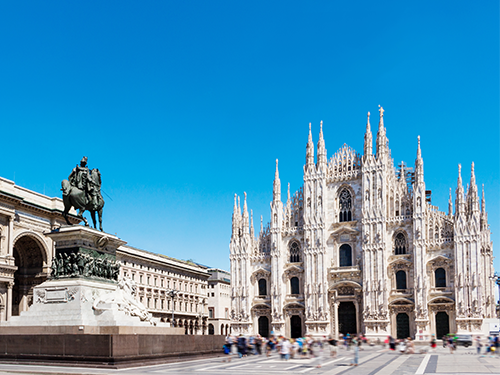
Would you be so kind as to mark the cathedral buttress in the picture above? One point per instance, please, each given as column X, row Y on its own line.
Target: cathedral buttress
column 277, row 288
column 419, row 247
column 487, row 270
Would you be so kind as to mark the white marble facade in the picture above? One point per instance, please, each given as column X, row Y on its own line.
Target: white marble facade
column 359, row 248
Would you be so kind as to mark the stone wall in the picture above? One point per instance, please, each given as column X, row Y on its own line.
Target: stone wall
column 106, row 350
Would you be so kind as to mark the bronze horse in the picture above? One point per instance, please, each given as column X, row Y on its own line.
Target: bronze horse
column 84, row 201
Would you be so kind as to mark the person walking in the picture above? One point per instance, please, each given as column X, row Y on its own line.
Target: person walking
column 410, row 348
column 333, row 347
column 227, row 352
column 451, row 343
column 320, row 351
column 285, row 347
column 355, row 345
column 242, row 346
column 478, row 344
column 270, row 346
column 347, row 341
column 310, row 347
column 433, row 342
column 392, row 343
column 258, row 344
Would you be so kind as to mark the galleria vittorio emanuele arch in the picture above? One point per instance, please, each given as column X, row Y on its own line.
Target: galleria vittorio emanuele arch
column 359, row 248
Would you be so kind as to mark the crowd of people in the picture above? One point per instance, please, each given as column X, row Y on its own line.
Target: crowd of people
column 319, row 348
column 302, row 347
column 491, row 344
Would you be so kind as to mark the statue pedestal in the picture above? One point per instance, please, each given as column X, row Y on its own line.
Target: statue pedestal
column 83, row 291
column 68, row 304
column 83, row 315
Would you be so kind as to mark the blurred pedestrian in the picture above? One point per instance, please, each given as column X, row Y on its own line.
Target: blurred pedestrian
column 433, row 342
column 333, row 347
column 242, row 346
column 478, row 344
column 285, row 347
column 354, row 343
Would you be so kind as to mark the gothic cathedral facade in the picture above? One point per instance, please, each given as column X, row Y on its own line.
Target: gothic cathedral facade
column 360, row 249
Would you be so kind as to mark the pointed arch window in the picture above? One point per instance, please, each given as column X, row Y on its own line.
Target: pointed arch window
column 345, row 256
column 262, row 287
column 294, row 252
column 440, row 277
column 294, row 285
column 400, row 244
column 345, row 206
column 401, row 280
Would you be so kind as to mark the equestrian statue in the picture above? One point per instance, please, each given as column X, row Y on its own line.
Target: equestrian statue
column 82, row 190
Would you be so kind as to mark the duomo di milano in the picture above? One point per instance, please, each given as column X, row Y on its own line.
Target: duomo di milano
column 360, row 249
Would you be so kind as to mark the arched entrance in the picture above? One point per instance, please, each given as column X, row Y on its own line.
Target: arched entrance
column 402, row 326
column 442, row 324
column 347, row 318
column 295, row 326
column 264, row 326
column 211, row 329
column 29, row 259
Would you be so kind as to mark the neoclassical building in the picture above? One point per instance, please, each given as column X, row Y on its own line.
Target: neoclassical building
column 26, row 256
column 359, row 248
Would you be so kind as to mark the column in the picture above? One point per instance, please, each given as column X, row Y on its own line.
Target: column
column 10, row 243
column 336, row 322
column 356, row 304
column 8, row 305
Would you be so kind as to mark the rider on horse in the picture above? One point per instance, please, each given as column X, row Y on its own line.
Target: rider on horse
column 82, row 190
column 81, row 178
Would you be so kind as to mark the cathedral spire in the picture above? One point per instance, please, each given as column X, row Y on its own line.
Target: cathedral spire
column 245, row 208
column 288, row 201
column 261, row 224
column 251, row 224
column 277, row 184
column 459, row 199
column 235, row 216
column 484, row 215
column 309, row 151
column 381, row 135
column 450, row 205
column 368, row 149
column 245, row 215
column 473, row 193
column 321, row 162
column 239, row 207
column 419, row 165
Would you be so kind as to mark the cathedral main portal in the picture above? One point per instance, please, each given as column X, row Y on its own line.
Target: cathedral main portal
column 296, row 326
column 264, row 326
column 403, row 326
column 347, row 318
column 442, row 324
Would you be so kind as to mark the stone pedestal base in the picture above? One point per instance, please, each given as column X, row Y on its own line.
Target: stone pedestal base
column 106, row 350
column 68, row 302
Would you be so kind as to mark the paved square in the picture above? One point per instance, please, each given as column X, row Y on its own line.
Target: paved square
column 372, row 361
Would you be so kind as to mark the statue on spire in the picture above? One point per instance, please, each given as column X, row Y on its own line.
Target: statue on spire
column 381, row 110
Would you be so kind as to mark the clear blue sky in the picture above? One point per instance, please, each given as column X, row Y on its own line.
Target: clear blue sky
column 183, row 104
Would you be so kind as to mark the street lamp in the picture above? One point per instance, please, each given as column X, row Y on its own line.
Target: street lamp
column 173, row 293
